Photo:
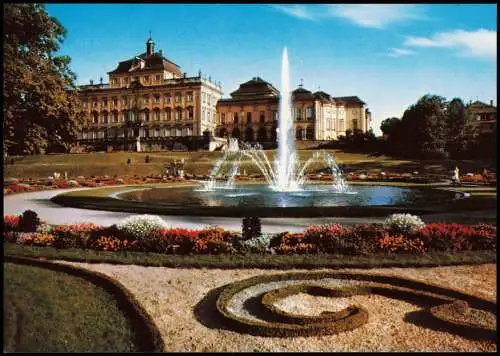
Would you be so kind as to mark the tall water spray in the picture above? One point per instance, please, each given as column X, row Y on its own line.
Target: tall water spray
column 285, row 163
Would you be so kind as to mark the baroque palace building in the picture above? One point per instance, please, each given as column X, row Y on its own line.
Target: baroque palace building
column 148, row 104
column 251, row 113
column 148, row 100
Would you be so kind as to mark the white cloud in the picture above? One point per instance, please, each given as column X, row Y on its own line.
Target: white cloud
column 376, row 15
column 299, row 11
column 398, row 52
column 480, row 43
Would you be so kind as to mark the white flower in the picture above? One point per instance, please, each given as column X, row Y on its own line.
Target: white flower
column 403, row 223
column 142, row 226
column 258, row 244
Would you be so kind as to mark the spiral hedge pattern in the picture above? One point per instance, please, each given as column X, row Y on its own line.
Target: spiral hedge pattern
column 259, row 295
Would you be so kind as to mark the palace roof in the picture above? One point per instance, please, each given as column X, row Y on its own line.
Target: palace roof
column 154, row 62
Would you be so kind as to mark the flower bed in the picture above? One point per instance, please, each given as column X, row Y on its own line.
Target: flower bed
column 400, row 234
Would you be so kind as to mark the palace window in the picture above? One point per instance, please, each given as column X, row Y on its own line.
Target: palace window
column 146, row 79
column 157, row 99
column 309, row 114
column 105, row 101
column 114, row 116
column 203, row 97
column 178, row 132
column 115, row 102
column 146, row 99
column 167, row 98
column 235, row 118
column 167, row 114
column 156, row 132
column 189, row 96
column 178, row 115
column 105, row 117
column 249, row 117
column 189, row 131
column 125, row 100
column 95, row 118
column 190, row 113
column 146, row 115
column 157, row 77
column 354, row 124
column 157, row 115
column 223, row 118
column 262, row 117
column 167, row 131
column 177, row 97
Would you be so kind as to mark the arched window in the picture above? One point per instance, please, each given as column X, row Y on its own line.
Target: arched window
column 262, row 134
column 235, row 118
column 95, row 117
column 190, row 114
column 248, row 134
column 145, row 115
column 298, row 133
column 178, row 114
column 105, row 117
column 168, row 114
column 309, row 133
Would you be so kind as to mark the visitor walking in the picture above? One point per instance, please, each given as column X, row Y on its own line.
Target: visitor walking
column 485, row 176
column 455, row 178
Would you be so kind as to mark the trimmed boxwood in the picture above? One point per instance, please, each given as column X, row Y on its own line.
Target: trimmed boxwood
column 422, row 294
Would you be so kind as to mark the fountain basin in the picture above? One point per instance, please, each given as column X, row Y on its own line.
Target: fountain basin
column 244, row 201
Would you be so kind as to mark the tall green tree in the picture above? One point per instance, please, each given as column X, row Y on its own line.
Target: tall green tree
column 387, row 126
column 422, row 130
column 40, row 106
column 460, row 129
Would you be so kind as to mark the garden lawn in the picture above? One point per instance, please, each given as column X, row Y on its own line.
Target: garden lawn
column 49, row 311
column 200, row 163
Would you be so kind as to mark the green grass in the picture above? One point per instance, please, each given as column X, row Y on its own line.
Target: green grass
column 200, row 163
column 49, row 311
column 253, row 260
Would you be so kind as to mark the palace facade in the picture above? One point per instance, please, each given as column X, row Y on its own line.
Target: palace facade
column 251, row 113
column 149, row 104
column 483, row 115
column 148, row 99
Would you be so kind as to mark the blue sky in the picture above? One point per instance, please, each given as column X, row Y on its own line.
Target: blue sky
column 389, row 55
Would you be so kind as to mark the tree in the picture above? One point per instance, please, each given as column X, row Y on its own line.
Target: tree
column 460, row 130
column 40, row 104
column 387, row 126
column 422, row 130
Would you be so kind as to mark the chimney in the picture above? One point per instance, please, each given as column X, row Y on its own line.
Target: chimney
column 491, row 102
column 100, row 80
column 91, row 82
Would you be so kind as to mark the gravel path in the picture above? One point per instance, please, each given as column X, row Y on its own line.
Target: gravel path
column 172, row 297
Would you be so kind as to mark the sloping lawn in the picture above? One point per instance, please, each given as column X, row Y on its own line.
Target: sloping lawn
column 49, row 311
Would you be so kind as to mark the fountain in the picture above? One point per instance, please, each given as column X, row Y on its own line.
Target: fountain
column 288, row 190
column 285, row 175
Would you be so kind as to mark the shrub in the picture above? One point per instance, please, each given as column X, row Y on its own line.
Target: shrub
column 35, row 239
column 400, row 243
column 405, row 224
column 111, row 243
column 10, row 223
column 330, row 238
column 257, row 244
column 141, row 227
column 214, row 240
column 181, row 240
column 29, row 221
column 362, row 239
column 457, row 237
column 74, row 235
column 251, row 227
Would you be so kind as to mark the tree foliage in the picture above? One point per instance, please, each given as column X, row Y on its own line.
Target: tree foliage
column 461, row 132
column 389, row 124
column 39, row 94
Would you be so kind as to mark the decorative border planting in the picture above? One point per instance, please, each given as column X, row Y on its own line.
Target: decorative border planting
column 277, row 323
